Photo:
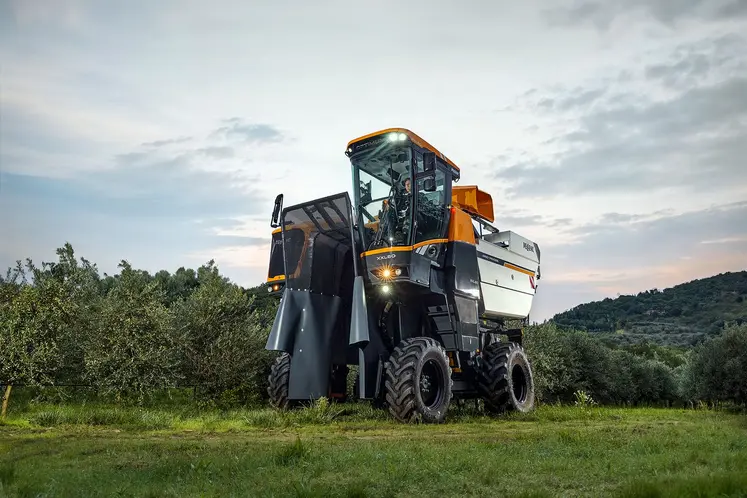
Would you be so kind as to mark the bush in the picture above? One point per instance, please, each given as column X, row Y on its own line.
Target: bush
column 43, row 327
column 134, row 348
column 224, row 349
column 718, row 367
column 568, row 362
column 548, row 353
column 133, row 334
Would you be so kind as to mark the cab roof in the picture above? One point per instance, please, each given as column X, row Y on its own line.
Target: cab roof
column 414, row 138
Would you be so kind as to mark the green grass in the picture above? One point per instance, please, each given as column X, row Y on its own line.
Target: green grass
column 95, row 450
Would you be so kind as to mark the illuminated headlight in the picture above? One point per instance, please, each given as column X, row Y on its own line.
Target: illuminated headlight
column 269, row 289
column 401, row 137
column 393, row 137
column 385, row 289
column 388, row 272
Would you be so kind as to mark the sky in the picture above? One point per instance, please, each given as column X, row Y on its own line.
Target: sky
column 614, row 133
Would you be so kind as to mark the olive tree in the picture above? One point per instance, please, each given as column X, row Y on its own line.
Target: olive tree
column 45, row 317
column 133, row 349
column 225, row 335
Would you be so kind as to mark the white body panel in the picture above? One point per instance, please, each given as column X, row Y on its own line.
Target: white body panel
column 508, row 267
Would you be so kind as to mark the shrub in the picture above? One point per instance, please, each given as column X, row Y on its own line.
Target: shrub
column 224, row 349
column 133, row 348
column 44, row 325
column 568, row 362
column 719, row 365
column 548, row 354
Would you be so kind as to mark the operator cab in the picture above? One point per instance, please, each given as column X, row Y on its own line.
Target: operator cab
column 402, row 189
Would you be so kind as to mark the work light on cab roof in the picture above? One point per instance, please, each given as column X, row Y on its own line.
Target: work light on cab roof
column 409, row 281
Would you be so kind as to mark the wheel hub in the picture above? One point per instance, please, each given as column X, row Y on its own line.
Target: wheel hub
column 430, row 389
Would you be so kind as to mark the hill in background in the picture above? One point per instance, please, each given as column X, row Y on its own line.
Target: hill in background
column 682, row 315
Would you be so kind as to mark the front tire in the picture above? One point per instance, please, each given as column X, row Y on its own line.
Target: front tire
column 278, row 381
column 505, row 380
column 418, row 381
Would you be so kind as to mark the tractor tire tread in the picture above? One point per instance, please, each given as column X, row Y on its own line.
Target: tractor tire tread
column 278, row 382
column 400, row 383
column 493, row 381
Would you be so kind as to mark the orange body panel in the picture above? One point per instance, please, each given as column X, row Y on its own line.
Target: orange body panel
column 403, row 248
column 460, row 227
column 473, row 200
column 386, row 249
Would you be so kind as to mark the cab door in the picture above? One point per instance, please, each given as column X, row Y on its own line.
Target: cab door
column 432, row 196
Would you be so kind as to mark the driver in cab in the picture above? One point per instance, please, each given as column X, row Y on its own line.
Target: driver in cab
column 400, row 204
column 405, row 199
column 403, row 204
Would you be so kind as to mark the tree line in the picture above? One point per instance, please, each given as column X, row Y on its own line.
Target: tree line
column 570, row 361
column 132, row 335
column 686, row 314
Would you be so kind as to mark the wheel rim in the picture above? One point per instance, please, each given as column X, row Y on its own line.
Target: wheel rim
column 431, row 384
column 519, row 383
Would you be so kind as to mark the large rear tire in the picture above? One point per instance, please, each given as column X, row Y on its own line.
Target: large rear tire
column 505, row 380
column 278, row 382
column 418, row 381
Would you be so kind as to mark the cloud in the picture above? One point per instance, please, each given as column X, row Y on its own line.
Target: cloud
column 236, row 128
column 122, row 147
column 254, row 257
column 217, row 152
column 578, row 98
column 70, row 14
column 602, row 14
column 178, row 182
column 515, row 218
column 727, row 240
column 623, row 254
column 691, row 139
column 614, row 244
column 168, row 141
column 692, row 64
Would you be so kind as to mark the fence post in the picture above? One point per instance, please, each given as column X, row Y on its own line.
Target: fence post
column 6, row 397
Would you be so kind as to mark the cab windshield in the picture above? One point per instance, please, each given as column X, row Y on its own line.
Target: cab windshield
column 383, row 195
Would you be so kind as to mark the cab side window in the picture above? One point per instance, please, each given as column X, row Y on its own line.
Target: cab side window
column 431, row 210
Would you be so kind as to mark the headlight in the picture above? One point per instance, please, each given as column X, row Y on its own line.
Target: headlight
column 388, row 272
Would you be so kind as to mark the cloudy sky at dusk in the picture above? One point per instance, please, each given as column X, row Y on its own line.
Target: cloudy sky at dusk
column 613, row 133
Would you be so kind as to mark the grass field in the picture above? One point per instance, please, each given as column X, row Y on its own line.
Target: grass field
column 78, row 450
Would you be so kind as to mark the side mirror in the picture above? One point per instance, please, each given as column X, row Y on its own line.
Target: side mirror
column 429, row 161
column 274, row 221
column 429, row 185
